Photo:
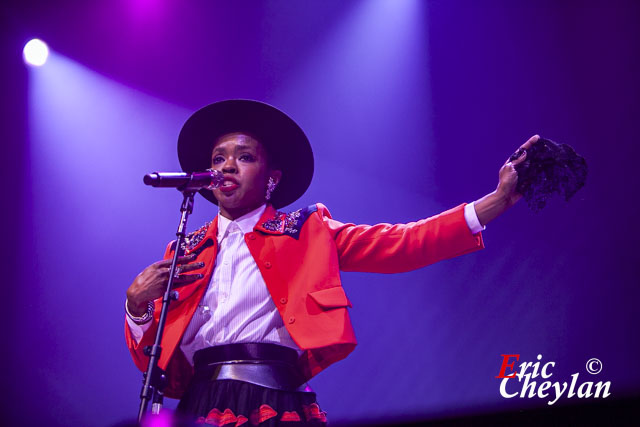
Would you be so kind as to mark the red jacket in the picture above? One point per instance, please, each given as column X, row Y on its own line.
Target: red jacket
column 300, row 256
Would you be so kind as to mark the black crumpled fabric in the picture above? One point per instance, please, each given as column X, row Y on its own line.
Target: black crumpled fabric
column 550, row 168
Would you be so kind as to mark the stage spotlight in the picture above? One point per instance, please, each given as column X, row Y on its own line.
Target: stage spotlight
column 35, row 52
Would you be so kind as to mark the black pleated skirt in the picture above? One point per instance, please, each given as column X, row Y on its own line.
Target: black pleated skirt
column 212, row 399
column 237, row 403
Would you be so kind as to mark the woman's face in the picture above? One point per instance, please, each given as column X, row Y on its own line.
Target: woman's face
column 243, row 160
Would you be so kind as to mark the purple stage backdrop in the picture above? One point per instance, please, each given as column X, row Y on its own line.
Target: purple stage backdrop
column 411, row 108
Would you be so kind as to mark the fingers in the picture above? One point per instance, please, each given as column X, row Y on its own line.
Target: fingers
column 161, row 269
column 186, row 259
column 185, row 279
column 515, row 155
column 520, row 159
column 191, row 267
column 185, row 267
column 181, row 260
column 182, row 279
column 530, row 142
column 151, row 283
column 521, row 153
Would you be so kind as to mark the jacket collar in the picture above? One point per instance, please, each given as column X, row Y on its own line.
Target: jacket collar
column 271, row 221
column 280, row 223
column 196, row 239
column 246, row 223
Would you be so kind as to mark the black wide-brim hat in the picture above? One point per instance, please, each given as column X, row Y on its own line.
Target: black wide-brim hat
column 287, row 145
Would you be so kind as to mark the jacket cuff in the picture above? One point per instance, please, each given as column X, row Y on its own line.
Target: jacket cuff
column 137, row 331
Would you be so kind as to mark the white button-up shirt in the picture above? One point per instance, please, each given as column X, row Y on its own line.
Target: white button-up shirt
column 237, row 306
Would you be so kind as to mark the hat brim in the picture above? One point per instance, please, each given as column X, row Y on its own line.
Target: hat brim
column 283, row 139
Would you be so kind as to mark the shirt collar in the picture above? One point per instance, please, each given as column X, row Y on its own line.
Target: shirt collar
column 246, row 222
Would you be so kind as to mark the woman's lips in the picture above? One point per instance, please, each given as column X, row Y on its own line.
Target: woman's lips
column 228, row 185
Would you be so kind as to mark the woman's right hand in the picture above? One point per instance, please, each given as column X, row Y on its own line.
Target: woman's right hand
column 151, row 283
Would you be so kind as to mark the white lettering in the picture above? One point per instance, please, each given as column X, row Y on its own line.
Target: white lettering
column 544, row 369
column 523, row 369
column 536, row 366
column 574, row 379
column 600, row 386
column 551, row 390
column 559, row 392
column 545, row 385
column 531, row 386
column 583, row 393
column 503, row 389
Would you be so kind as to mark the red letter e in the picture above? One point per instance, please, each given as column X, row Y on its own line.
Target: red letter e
column 505, row 365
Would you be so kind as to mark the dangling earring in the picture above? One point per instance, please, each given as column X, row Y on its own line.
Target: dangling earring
column 271, row 185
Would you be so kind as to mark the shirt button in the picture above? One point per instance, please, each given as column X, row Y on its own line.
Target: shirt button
column 283, row 300
column 251, row 236
column 267, row 264
column 292, row 319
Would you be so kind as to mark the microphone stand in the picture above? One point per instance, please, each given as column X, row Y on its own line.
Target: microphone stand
column 155, row 379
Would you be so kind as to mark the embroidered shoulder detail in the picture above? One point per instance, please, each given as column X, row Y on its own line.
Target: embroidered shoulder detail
column 289, row 223
column 193, row 239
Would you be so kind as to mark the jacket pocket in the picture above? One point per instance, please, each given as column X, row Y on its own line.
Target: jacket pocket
column 331, row 298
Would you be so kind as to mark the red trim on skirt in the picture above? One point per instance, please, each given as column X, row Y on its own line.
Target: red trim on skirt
column 216, row 417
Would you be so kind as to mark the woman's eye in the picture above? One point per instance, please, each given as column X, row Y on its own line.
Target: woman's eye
column 247, row 158
column 217, row 159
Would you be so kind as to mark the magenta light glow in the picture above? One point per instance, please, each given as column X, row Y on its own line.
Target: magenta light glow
column 35, row 52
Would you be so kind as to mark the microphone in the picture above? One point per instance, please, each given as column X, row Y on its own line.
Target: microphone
column 184, row 181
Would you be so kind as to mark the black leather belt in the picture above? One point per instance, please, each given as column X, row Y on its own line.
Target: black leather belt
column 267, row 365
